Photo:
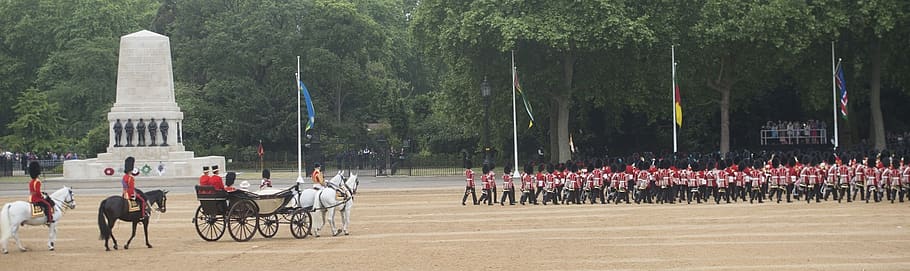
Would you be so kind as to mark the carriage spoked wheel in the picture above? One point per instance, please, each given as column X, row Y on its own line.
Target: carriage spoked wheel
column 301, row 223
column 268, row 225
column 209, row 227
column 243, row 219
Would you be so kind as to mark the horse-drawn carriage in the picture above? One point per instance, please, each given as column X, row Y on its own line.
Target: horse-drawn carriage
column 243, row 213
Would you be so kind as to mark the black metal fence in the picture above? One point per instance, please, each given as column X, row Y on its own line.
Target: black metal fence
column 371, row 163
column 13, row 168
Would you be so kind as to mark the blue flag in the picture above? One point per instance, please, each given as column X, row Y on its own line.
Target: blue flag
column 309, row 106
column 842, row 86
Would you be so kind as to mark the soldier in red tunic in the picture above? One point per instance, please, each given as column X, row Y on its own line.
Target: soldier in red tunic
column 35, row 195
column 527, row 185
column 129, row 185
column 597, row 181
column 550, row 186
column 485, row 180
column 508, row 187
column 469, row 183
column 540, row 179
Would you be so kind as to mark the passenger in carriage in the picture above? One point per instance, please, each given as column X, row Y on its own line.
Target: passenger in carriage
column 204, row 179
column 34, row 189
column 229, row 182
column 215, row 180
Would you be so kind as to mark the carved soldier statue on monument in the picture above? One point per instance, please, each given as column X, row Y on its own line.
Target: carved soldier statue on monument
column 118, row 131
column 129, row 132
column 140, row 128
column 163, row 128
column 153, row 129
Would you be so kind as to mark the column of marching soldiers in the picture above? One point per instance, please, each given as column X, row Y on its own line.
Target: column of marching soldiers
column 643, row 179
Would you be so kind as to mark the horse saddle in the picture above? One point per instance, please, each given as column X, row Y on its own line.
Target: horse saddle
column 133, row 205
column 37, row 210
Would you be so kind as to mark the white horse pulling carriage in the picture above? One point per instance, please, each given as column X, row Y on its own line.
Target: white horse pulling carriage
column 324, row 202
column 18, row 213
column 243, row 213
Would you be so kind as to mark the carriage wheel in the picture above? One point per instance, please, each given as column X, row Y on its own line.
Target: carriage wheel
column 243, row 221
column 268, row 225
column 209, row 227
column 301, row 223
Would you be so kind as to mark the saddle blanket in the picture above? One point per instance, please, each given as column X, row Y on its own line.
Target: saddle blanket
column 37, row 211
column 133, row 205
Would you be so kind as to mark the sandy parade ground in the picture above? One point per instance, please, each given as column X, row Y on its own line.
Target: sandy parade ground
column 419, row 224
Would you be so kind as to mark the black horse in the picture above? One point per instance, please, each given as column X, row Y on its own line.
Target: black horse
column 115, row 207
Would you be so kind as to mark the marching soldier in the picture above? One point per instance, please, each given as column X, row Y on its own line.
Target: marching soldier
column 872, row 175
column 756, row 178
column 571, row 184
column 720, row 180
column 597, row 176
column 550, row 186
column 508, row 187
column 485, row 195
column 859, row 178
column 697, row 183
column 527, row 186
column 894, row 184
column 778, row 180
column 540, row 179
column 469, row 183
column 492, row 181
column 905, row 180
column 682, row 183
column 843, row 181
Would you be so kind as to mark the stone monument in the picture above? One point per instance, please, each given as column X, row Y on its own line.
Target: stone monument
column 145, row 91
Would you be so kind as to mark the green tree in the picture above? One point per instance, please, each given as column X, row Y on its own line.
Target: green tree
column 36, row 124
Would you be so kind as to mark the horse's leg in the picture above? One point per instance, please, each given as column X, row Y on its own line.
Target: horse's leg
column 346, row 219
column 127, row 246
column 110, row 225
column 320, row 221
column 145, row 228
column 335, row 230
column 14, row 231
column 52, row 235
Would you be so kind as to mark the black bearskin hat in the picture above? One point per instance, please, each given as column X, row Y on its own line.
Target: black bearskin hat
column 205, row 169
column 229, row 178
column 129, row 164
column 508, row 169
column 550, row 168
column 486, row 168
column 266, row 174
column 34, row 169
column 541, row 168
column 215, row 168
column 467, row 163
column 529, row 169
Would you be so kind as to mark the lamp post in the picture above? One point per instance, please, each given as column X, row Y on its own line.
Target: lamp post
column 485, row 93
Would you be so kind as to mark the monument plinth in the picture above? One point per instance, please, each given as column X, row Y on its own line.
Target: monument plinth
column 145, row 121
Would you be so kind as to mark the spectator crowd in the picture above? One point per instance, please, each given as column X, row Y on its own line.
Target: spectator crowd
column 794, row 132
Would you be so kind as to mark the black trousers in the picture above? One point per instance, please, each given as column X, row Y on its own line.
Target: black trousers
column 508, row 194
column 539, row 191
column 682, row 193
column 469, row 190
column 486, row 197
column 528, row 196
column 844, row 191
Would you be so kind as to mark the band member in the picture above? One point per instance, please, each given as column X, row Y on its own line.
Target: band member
column 859, row 178
column 571, row 184
column 469, row 183
column 663, row 182
column 129, row 185
column 720, row 180
column 642, row 180
column 809, row 179
column 778, row 180
column 597, row 179
column 755, row 181
column 894, row 182
column 905, row 180
column 527, row 185
column 540, row 179
column 622, row 180
column 550, row 186
column 35, row 195
column 873, row 176
column 508, row 187
column 485, row 195
column 793, row 169
column 843, row 180
column 740, row 179
column 204, row 179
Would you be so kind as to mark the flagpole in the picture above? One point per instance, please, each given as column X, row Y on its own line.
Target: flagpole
column 673, row 94
column 514, row 121
column 299, row 141
column 260, row 155
column 834, row 91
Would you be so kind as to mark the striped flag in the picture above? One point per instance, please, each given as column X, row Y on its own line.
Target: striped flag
column 842, row 86
column 524, row 100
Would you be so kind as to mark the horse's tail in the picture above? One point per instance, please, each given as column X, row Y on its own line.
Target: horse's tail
column 102, row 222
column 4, row 222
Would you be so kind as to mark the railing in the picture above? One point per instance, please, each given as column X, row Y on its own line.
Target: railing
column 12, row 168
column 375, row 165
column 793, row 136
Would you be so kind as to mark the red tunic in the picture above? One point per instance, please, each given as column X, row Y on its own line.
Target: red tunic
column 507, row 184
column 129, row 185
column 216, row 181
column 34, row 191
column 485, row 180
column 204, row 179
column 469, row 177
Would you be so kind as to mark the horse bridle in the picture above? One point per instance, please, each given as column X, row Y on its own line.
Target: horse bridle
column 67, row 202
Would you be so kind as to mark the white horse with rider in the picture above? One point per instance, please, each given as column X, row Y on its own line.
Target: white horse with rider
column 338, row 193
column 19, row 213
